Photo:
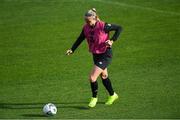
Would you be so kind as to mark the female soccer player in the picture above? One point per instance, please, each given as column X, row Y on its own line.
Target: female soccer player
column 97, row 34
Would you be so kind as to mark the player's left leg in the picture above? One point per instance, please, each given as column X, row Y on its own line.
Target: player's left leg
column 107, row 83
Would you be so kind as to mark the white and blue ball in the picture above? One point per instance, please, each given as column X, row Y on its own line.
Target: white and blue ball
column 49, row 109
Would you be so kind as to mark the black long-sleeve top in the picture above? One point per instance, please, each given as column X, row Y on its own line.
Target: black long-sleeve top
column 107, row 29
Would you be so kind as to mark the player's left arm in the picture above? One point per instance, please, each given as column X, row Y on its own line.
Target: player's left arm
column 112, row 27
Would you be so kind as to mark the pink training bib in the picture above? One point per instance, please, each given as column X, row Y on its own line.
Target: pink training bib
column 96, row 37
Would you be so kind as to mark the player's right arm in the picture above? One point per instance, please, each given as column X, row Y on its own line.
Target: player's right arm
column 76, row 43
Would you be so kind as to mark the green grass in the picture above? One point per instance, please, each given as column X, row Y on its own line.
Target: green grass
column 145, row 72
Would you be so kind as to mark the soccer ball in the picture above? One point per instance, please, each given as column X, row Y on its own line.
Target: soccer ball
column 49, row 109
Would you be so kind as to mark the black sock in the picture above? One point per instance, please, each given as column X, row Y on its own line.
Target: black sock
column 94, row 89
column 108, row 86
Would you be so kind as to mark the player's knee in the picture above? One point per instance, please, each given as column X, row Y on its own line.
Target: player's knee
column 104, row 76
column 92, row 78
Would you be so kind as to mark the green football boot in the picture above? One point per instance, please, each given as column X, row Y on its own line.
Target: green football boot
column 111, row 99
column 93, row 102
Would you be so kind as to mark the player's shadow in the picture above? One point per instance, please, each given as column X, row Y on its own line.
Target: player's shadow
column 65, row 105
column 75, row 105
column 33, row 115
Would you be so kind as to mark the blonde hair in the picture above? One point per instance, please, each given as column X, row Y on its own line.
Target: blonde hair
column 96, row 17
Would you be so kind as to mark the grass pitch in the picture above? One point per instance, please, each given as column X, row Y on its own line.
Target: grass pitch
column 145, row 72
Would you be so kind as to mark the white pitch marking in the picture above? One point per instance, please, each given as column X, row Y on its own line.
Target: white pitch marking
column 138, row 7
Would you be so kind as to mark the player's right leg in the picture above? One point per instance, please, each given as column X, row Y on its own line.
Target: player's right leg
column 96, row 71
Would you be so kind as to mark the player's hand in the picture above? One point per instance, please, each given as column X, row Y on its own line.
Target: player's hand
column 69, row 52
column 109, row 43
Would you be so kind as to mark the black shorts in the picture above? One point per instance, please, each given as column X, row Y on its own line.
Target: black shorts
column 104, row 59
